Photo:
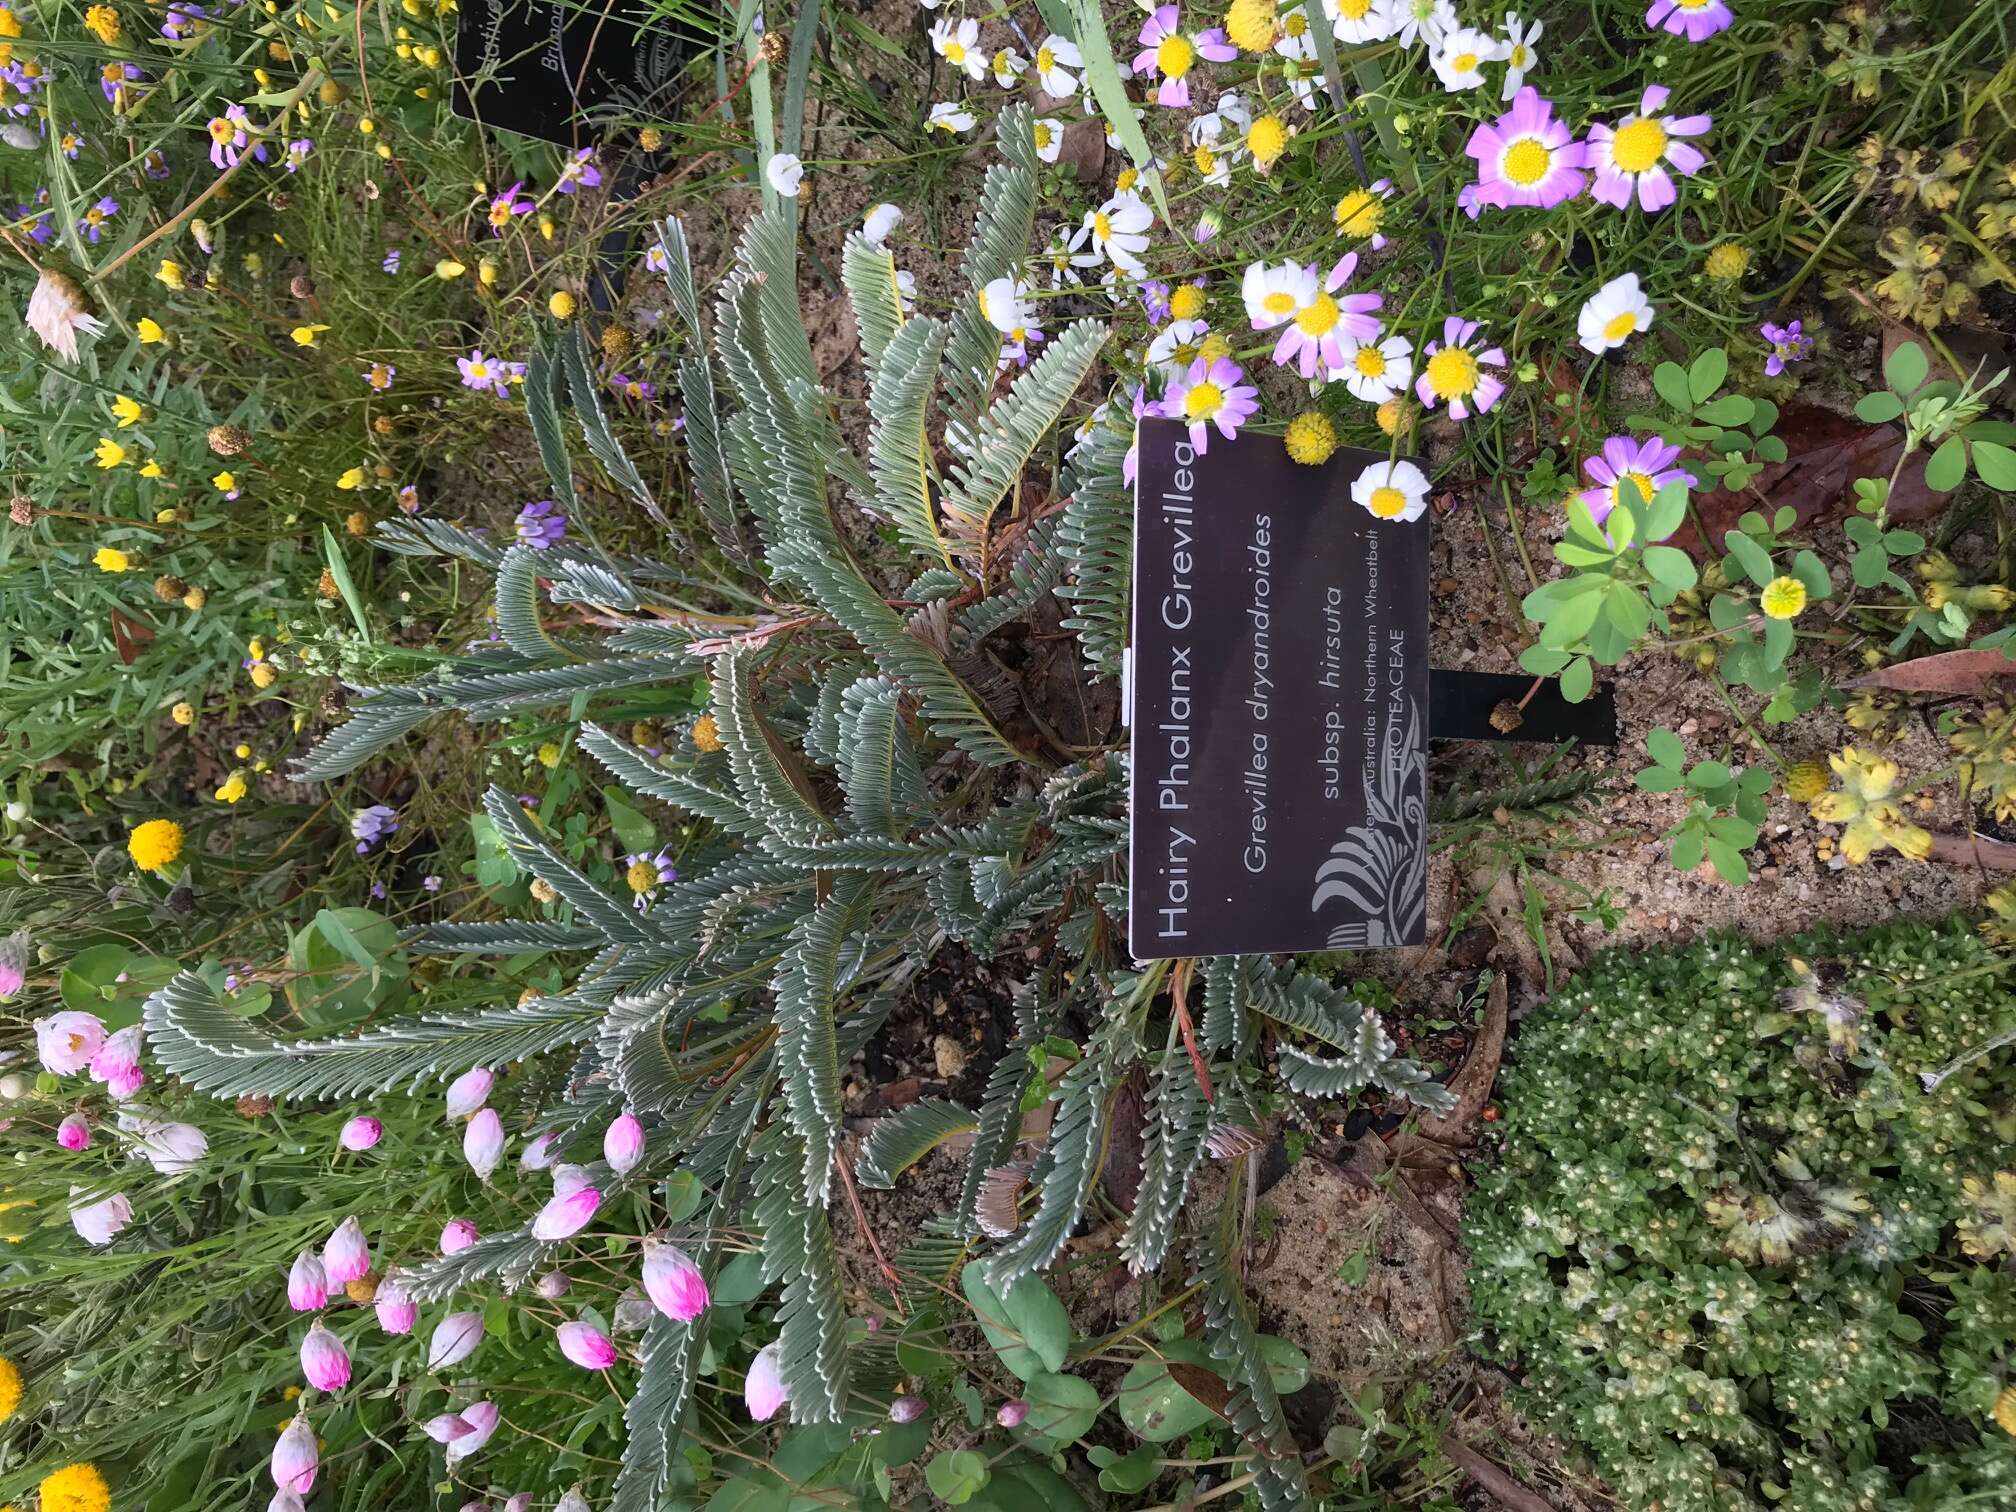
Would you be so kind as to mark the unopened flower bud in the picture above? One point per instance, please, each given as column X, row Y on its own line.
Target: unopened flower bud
column 673, row 1282
column 1011, row 1414
column 623, row 1143
column 361, row 1133
column 553, row 1285
column 586, row 1345
column 296, row 1458
column 455, row 1339
column 564, row 1217
column 346, row 1256
column 324, row 1360
column 906, row 1409
column 469, row 1091
column 396, row 1311
column 457, row 1234
column 74, row 1133
column 483, row 1142
column 307, row 1283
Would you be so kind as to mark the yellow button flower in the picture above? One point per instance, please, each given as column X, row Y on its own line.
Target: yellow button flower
column 1783, row 598
column 152, row 846
column 224, row 482
column 111, row 559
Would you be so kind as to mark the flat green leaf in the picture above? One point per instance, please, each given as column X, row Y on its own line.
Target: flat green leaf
column 1671, row 567
column 1669, row 508
column 1666, row 748
column 1812, row 573
column 1670, row 379
column 957, row 1476
column 1062, row 1409
column 1543, row 661
column 1946, row 470
column 1577, row 678
column 1752, row 558
column 1730, row 409
column 1657, row 779
column 346, row 587
column 1878, row 407
column 1778, row 641
column 1995, row 464
column 1706, row 374
column 1686, row 853
column 1028, row 1328
column 1905, row 368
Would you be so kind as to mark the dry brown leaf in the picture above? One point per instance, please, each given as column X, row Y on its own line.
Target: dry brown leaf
column 1472, row 1085
column 1968, row 673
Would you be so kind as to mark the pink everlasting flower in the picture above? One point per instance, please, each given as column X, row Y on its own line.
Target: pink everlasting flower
column 1527, row 157
column 586, row 1345
column 445, row 1427
column 1453, row 371
column 346, row 1257
column 97, row 1222
column 360, row 1133
column 308, row 1283
column 1642, row 466
column 457, row 1234
column 117, row 1061
column 396, row 1311
column 1211, row 393
column 568, row 1179
column 623, row 1143
column 455, row 1339
column 1696, row 20
column 553, row 1285
column 74, row 1133
column 286, row 1501
column 295, row 1457
column 471, row 1089
column 1313, row 338
column 1167, row 52
column 763, row 1389
column 67, row 1042
column 564, row 1217
column 482, row 1418
column 324, row 1360
column 538, row 1154
column 483, row 1142
column 1634, row 153
column 673, row 1282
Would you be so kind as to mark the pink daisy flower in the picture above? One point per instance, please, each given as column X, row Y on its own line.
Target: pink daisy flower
column 1633, row 154
column 1167, row 52
column 1696, row 20
column 1313, row 339
column 1644, row 466
column 1453, row 371
column 1211, row 393
column 1527, row 157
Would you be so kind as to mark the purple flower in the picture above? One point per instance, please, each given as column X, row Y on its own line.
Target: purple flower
column 1527, row 157
column 227, row 136
column 481, row 373
column 431, row 883
column 645, row 873
column 182, row 19
column 1644, row 466
column 155, row 163
column 506, row 205
column 638, row 389
column 1314, row 335
column 73, row 143
column 1155, row 300
column 1453, row 371
column 113, row 81
column 1211, row 393
column 370, row 825
column 541, row 525
column 1696, row 20
column 391, row 263
column 1633, row 154
column 1788, row 344
column 1166, row 51
column 92, row 222
column 297, row 153
column 579, row 172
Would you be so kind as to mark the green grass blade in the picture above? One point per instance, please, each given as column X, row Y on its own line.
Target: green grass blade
column 1103, row 74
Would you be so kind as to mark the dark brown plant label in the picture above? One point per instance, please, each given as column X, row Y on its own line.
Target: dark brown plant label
column 1278, row 683
column 562, row 71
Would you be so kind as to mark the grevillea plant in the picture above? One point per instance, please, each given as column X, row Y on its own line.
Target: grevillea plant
column 869, row 786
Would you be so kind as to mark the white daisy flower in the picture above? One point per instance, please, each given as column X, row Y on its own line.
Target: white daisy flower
column 958, row 43
column 1375, row 371
column 1063, row 265
column 1361, row 20
column 784, row 173
column 946, row 116
column 1273, row 295
column 1054, row 60
column 1613, row 315
column 1521, row 53
column 1423, row 21
column 879, row 222
column 1049, row 140
column 1460, row 56
column 1227, row 122
column 1118, row 231
column 1009, row 66
column 1392, row 491
column 1175, row 346
column 1212, row 162
column 1004, row 303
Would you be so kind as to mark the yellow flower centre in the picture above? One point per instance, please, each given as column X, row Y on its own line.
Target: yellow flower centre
column 1126, row 179
column 1318, row 317
column 1295, row 25
column 1354, row 10
column 1042, row 135
column 1452, row 373
column 1692, row 5
column 1359, row 213
column 1102, row 226
column 1045, row 60
column 1526, row 162
column 1620, row 326
column 1203, row 401
column 1174, row 57
column 1370, row 362
column 1463, row 63
column 1187, row 303
column 1388, row 502
column 1280, row 302
column 1214, row 346
column 955, row 52
column 1001, row 61
column 1784, row 597
column 1642, row 482
column 221, row 130
column 1205, row 159
column 642, row 876
column 1638, row 145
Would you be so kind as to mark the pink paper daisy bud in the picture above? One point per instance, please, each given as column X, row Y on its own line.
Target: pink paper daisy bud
column 482, row 1418
column 455, row 1339
column 68, row 1042
column 573, row 1501
column 522, row 1502
column 324, row 1360
column 457, row 1235
column 286, row 1501
column 123, row 1084
column 564, row 1217
column 673, row 1282
column 346, row 1257
column 97, row 1222
column 397, row 1313
column 763, row 1389
column 569, row 1179
column 538, row 1155
column 906, row 1409
column 118, row 1059
column 295, row 1457
column 587, row 1346
column 468, row 1092
column 483, row 1142
column 307, row 1283
column 74, row 1133
column 445, row 1428
column 360, row 1133
column 553, row 1285
column 1011, row 1414
column 623, row 1144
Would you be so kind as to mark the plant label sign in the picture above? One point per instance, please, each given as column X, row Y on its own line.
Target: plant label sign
column 550, row 68
column 1278, row 696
